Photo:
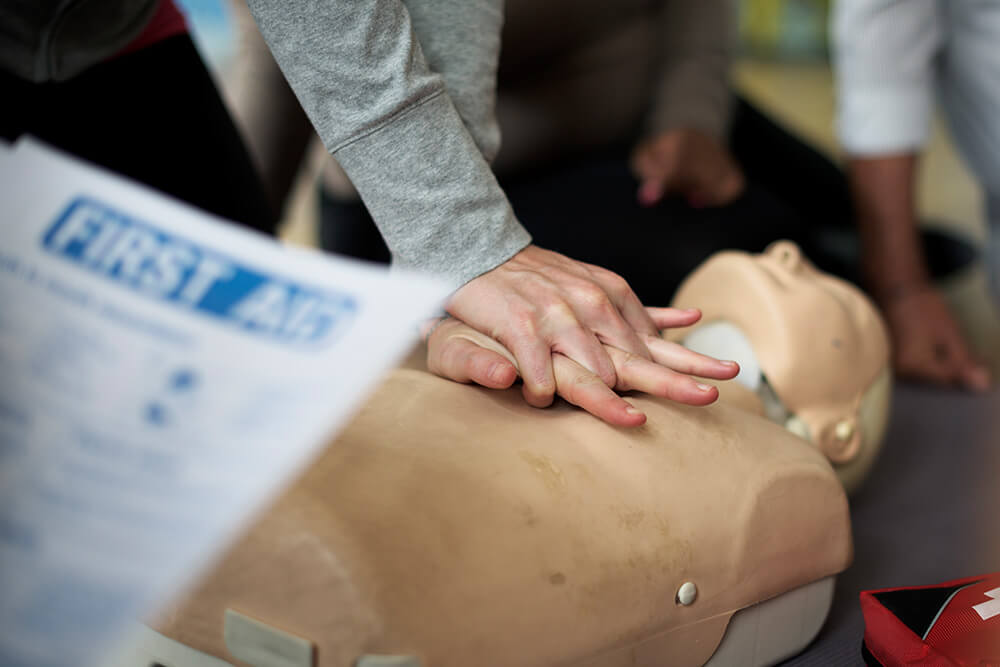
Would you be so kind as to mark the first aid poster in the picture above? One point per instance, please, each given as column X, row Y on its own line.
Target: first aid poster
column 162, row 375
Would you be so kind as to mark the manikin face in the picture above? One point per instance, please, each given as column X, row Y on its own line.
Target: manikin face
column 811, row 347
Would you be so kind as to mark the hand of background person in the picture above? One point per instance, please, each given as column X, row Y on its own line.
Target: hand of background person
column 458, row 352
column 927, row 343
column 926, row 340
column 688, row 163
column 540, row 302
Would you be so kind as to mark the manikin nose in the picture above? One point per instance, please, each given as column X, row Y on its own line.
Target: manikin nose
column 787, row 253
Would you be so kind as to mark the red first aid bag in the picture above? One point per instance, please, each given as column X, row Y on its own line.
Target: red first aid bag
column 954, row 623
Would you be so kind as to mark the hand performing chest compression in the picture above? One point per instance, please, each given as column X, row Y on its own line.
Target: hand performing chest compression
column 459, row 352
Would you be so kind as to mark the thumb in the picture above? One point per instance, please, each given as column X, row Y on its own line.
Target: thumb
column 462, row 359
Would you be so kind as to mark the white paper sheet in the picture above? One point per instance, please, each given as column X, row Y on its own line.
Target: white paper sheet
column 161, row 376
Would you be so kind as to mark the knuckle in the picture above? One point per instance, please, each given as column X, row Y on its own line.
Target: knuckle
column 628, row 364
column 559, row 311
column 522, row 324
column 629, row 359
column 591, row 296
column 607, row 313
column 619, row 289
column 537, row 376
column 608, row 377
column 617, row 284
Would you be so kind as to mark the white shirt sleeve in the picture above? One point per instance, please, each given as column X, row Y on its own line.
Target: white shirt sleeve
column 885, row 54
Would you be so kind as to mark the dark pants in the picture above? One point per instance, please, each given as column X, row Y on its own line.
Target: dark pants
column 586, row 208
column 153, row 115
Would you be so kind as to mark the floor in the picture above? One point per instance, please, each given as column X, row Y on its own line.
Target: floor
column 926, row 515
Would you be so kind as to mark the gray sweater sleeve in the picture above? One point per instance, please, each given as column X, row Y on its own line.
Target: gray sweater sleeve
column 395, row 122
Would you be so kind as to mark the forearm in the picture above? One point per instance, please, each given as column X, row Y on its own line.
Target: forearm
column 884, row 193
column 927, row 341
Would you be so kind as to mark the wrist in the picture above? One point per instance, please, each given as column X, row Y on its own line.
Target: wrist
column 890, row 277
column 431, row 325
column 893, row 293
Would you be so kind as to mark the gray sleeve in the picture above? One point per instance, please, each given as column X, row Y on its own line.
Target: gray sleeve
column 693, row 89
column 360, row 72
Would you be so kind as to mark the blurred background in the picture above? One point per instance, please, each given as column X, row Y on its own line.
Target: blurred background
column 784, row 68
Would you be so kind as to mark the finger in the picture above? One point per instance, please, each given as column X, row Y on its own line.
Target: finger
column 970, row 374
column 951, row 347
column 593, row 309
column 679, row 358
column 605, row 303
column 950, row 352
column 924, row 367
column 624, row 299
column 639, row 374
column 967, row 372
column 582, row 388
column 672, row 318
column 462, row 330
column 582, row 346
column 656, row 171
column 650, row 191
column 977, row 378
column 461, row 360
column 534, row 358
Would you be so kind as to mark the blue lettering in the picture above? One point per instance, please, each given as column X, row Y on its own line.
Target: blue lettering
column 162, row 265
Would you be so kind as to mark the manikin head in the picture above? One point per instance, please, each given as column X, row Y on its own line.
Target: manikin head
column 812, row 348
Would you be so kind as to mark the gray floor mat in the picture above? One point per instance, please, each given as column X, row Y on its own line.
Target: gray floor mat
column 930, row 511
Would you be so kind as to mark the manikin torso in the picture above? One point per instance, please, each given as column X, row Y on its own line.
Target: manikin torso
column 454, row 525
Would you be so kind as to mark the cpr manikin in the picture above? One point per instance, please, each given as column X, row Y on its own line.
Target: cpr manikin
column 813, row 351
column 451, row 525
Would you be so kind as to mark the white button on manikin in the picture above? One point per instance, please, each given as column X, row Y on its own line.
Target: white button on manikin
column 687, row 593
